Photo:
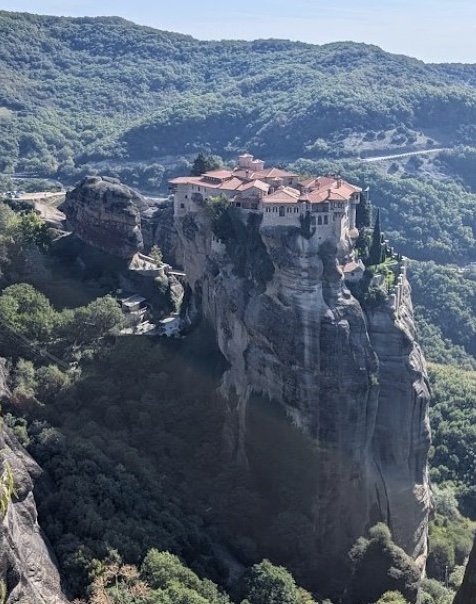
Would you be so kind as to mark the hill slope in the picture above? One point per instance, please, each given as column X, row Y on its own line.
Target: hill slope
column 77, row 90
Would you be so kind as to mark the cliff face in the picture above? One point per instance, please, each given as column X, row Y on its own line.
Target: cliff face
column 27, row 567
column 106, row 214
column 354, row 382
column 467, row 592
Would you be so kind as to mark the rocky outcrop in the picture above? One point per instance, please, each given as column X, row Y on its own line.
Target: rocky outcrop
column 401, row 436
column 27, row 566
column 157, row 225
column 467, row 592
column 106, row 214
column 352, row 380
column 111, row 216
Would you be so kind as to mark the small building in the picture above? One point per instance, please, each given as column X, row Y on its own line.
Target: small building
column 353, row 271
column 134, row 303
column 170, row 326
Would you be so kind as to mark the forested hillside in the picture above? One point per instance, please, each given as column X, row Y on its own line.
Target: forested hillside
column 83, row 90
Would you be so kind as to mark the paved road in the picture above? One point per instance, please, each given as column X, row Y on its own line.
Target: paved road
column 403, row 155
column 43, row 195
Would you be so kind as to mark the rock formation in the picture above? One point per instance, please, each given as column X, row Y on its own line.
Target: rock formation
column 106, row 214
column 111, row 216
column 27, row 566
column 352, row 380
column 467, row 592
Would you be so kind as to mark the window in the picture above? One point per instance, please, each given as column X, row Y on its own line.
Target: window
column 319, row 220
column 186, row 196
column 326, row 219
column 182, row 205
column 281, row 211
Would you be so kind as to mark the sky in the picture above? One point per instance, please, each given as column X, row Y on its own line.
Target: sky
column 431, row 30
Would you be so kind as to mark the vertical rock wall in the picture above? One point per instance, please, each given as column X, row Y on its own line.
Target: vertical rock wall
column 352, row 381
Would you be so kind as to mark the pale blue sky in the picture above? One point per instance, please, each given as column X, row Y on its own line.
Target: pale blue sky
column 432, row 30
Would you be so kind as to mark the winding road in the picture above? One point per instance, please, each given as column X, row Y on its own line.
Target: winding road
column 403, row 155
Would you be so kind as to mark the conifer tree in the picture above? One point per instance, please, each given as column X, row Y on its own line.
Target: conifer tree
column 204, row 163
column 375, row 252
column 362, row 212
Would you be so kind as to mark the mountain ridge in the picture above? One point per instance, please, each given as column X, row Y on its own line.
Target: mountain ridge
column 91, row 88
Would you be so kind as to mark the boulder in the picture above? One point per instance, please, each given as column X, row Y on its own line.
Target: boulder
column 106, row 214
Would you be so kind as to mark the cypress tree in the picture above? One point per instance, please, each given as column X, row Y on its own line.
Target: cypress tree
column 203, row 163
column 375, row 252
column 362, row 211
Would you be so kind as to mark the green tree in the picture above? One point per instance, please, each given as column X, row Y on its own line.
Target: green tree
column 97, row 319
column 51, row 381
column 376, row 249
column 204, row 163
column 27, row 311
column 265, row 583
column 392, row 597
column 362, row 212
column 379, row 566
column 30, row 229
column 156, row 254
column 165, row 572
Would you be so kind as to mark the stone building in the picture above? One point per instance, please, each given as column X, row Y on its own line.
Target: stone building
column 328, row 202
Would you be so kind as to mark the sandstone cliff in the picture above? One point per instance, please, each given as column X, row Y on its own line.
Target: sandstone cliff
column 352, row 380
column 111, row 216
column 27, row 566
column 106, row 214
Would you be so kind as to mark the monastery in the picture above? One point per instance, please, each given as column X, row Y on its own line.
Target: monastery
column 329, row 201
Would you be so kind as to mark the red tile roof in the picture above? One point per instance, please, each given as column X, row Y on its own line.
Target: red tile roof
column 282, row 195
column 274, row 173
column 231, row 185
column 314, row 190
column 352, row 266
column 327, row 182
column 185, row 180
column 254, row 184
column 221, row 174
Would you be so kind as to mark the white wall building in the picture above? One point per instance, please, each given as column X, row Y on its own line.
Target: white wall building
column 329, row 202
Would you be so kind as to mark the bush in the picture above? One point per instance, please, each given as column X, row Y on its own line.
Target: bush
column 379, row 566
